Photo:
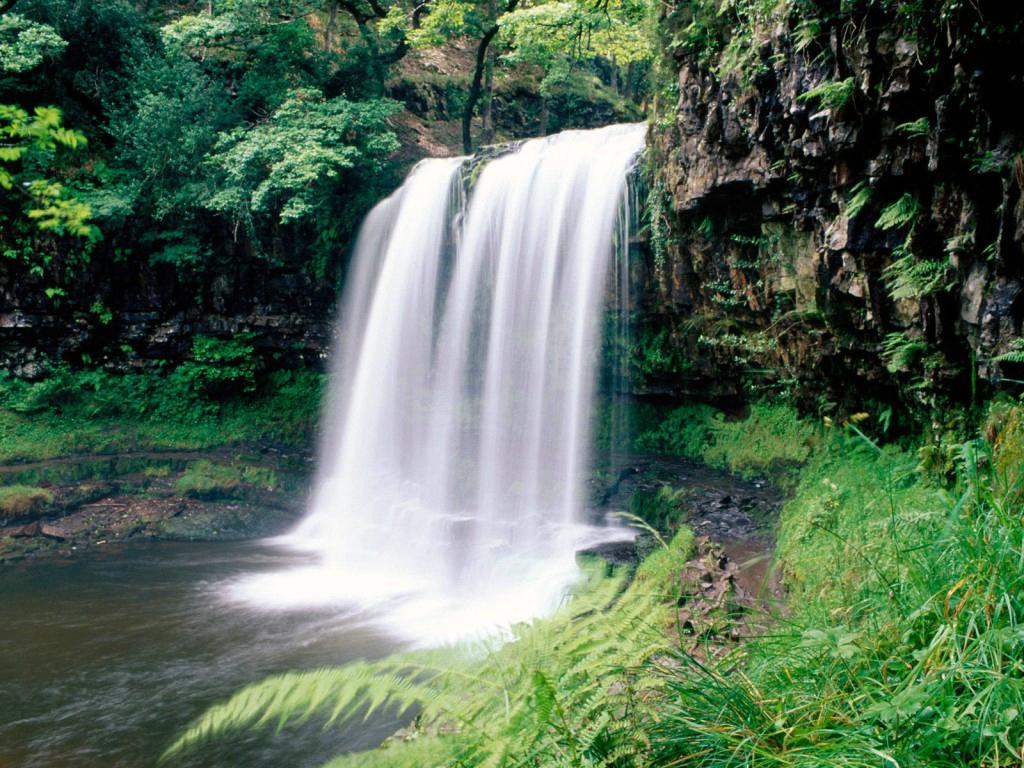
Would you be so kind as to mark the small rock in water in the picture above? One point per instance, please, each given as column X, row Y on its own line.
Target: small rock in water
column 613, row 552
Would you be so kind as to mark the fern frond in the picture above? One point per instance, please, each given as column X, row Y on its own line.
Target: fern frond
column 900, row 351
column 831, row 95
column 904, row 211
column 915, row 129
column 908, row 278
column 860, row 196
column 1015, row 354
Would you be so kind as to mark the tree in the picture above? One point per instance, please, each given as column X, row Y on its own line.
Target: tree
column 306, row 161
column 29, row 142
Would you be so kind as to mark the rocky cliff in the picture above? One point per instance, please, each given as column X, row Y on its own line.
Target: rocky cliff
column 843, row 217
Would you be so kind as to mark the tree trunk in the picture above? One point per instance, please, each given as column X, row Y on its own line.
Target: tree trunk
column 332, row 25
column 476, row 86
column 487, row 105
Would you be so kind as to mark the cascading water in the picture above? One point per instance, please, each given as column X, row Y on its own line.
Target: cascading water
column 450, row 482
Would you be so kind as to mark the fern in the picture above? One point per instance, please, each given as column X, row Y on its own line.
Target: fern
column 807, row 31
column 1015, row 354
column 831, row 95
column 908, row 278
column 915, row 129
column 904, row 211
column 900, row 351
column 566, row 691
column 860, row 196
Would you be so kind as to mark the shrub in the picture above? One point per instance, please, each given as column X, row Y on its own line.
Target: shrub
column 220, row 367
column 684, row 432
column 773, row 439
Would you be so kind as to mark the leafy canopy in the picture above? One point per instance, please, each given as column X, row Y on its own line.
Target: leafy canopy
column 286, row 166
column 28, row 143
column 24, row 43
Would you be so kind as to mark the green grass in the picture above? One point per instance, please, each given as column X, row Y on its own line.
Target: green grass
column 902, row 643
column 96, row 412
column 205, row 479
column 771, row 440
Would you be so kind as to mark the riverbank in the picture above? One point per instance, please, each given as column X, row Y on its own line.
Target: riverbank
column 897, row 642
column 89, row 459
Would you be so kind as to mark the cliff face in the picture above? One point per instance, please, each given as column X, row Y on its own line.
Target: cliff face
column 861, row 240
column 132, row 316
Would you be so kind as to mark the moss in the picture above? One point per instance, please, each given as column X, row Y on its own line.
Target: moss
column 18, row 501
column 1005, row 431
column 208, row 480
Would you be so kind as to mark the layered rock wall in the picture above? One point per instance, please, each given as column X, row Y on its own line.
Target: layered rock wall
column 770, row 262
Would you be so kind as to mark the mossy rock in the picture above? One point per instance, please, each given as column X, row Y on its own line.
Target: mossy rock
column 23, row 501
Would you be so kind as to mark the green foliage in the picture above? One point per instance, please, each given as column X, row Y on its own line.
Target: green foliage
column 901, row 213
column 834, row 96
column 1015, row 354
column 218, row 366
column 22, row 501
column 857, row 200
column 25, row 44
column 92, row 411
column 658, row 219
column 723, row 36
column 915, row 129
column 904, row 644
column 205, row 479
column 289, row 166
column 686, row 431
column 909, row 278
column 662, row 509
column 771, row 440
column 560, row 34
column 28, row 143
column 571, row 690
column 901, row 352
column 655, row 355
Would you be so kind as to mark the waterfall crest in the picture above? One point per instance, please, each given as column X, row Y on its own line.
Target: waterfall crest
column 457, row 429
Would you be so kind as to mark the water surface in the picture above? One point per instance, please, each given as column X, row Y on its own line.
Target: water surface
column 106, row 657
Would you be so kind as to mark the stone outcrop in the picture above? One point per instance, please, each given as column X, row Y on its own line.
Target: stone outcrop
column 141, row 315
column 775, row 260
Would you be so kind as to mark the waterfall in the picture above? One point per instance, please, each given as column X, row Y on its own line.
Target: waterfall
column 457, row 429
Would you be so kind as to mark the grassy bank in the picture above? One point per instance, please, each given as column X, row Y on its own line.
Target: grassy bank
column 900, row 643
column 83, row 412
